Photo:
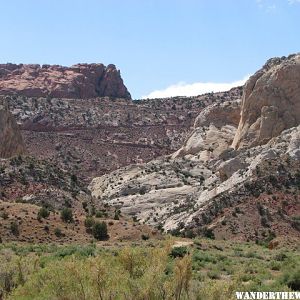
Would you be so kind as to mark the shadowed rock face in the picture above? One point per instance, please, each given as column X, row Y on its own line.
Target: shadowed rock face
column 270, row 103
column 80, row 81
column 11, row 142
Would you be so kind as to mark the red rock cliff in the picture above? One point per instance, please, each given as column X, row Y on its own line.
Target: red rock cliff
column 78, row 81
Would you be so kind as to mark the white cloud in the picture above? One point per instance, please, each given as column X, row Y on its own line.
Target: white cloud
column 268, row 6
column 293, row 1
column 194, row 89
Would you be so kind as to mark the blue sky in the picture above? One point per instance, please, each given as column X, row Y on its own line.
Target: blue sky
column 162, row 47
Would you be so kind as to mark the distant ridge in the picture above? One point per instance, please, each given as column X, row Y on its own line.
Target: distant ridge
column 79, row 81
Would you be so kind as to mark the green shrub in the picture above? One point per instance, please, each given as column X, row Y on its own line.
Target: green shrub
column 20, row 200
column 292, row 279
column 66, row 215
column 93, row 210
column 14, row 228
column 135, row 273
column 296, row 222
column 275, row 265
column 89, row 223
column 175, row 232
column 4, row 215
column 117, row 214
column 73, row 178
column 85, row 206
column 189, row 233
column 98, row 214
column 264, row 222
column 58, row 232
column 213, row 274
column 82, row 251
column 179, row 252
column 280, row 256
column 208, row 233
column 100, row 231
column 145, row 237
column 43, row 213
column 72, row 271
column 204, row 257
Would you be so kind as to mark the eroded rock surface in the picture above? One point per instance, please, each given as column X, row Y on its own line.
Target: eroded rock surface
column 254, row 192
column 78, row 81
column 208, row 187
column 214, row 130
column 270, row 103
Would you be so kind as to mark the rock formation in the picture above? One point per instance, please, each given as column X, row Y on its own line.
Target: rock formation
column 270, row 103
column 11, row 142
column 214, row 130
column 91, row 137
column 78, row 81
column 259, row 186
column 250, row 192
column 237, row 174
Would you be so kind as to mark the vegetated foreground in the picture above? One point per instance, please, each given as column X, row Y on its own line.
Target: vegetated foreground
column 206, row 269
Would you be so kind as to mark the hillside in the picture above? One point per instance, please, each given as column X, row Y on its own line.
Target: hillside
column 28, row 186
column 230, row 176
column 91, row 137
column 210, row 188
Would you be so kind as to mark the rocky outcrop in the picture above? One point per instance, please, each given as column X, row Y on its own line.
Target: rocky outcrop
column 11, row 142
column 78, row 81
column 214, row 130
column 260, row 185
column 229, row 167
column 270, row 103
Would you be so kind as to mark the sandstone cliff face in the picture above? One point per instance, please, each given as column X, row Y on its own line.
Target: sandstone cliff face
column 214, row 130
column 270, row 103
column 11, row 142
column 78, row 81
